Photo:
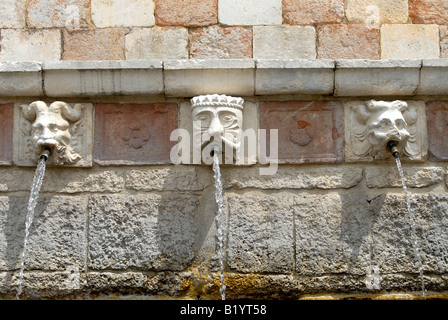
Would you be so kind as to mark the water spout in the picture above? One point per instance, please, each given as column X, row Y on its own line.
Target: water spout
column 392, row 147
column 45, row 153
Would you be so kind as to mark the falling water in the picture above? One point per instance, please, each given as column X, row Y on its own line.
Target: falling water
column 413, row 226
column 35, row 188
column 219, row 218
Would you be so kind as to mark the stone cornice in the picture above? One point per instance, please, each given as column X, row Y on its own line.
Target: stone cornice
column 245, row 77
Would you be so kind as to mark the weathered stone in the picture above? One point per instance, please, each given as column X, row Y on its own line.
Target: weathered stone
column 311, row 76
column 55, row 13
column 351, row 41
column 443, row 41
column 250, row 12
column 260, row 233
column 409, row 41
column 220, row 43
column 392, row 238
column 437, row 114
column 331, row 234
column 187, row 78
column 433, row 77
column 134, row 133
column 288, row 177
column 193, row 13
column 312, row 12
column 416, row 177
column 428, row 11
column 20, row 79
column 149, row 232
column 12, row 14
column 36, row 45
column 376, row 78
column 376, row 12
column 157, row 43
column 57, row 234
column 102, row 44
column 284, row 42
column 102, row 78
column 308, row 131
column 6, row 127
column 129, row 13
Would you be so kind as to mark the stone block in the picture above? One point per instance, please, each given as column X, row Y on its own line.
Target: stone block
column 20, row 79
column 428, row 11
column 416, row 177
column 127, row 13
column 409, row 41
column 290, row 177
column 36, row 45
column 308, row 131
column 147, row 232
column 57, row 234
column 284, row 42
column 102, row 44
column 73, row 138
column 102, row 78
column 221, row 43
column 437, row 117
column 58, row 14
column 312, row 12
column 157, row 43
column 294, row 77
column 358, row 145
column 134, row 133
column 6, row 127
column 443, row 41
column 351, row 41
column 376, row 12
column 433, row 77
column 377, row 78
column 196, row 13
column 250, row 12
column 12, row 14
column 187, row 78
column 260, row 235
column 331, row 234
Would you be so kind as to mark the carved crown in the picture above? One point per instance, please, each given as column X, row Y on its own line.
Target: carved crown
column 216, row 100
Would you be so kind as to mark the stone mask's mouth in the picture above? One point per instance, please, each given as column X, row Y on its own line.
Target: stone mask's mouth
column 392, row 147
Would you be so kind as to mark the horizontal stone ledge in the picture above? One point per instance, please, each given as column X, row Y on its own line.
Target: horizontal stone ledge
column 239, row 77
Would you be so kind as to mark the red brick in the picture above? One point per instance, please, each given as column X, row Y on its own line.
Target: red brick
column 428, row 11
column 437, row 121
column 221, row 43
column 6, row 127
column 308, row 131
column 134, row 133
column 352, row 41
column 101, row 44
column 187, row 13
column 312, row 12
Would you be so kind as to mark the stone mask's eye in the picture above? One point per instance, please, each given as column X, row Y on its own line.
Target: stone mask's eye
column 204, row 119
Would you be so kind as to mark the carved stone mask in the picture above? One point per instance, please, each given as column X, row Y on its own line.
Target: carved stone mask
column 52, row 127
column 217, row 125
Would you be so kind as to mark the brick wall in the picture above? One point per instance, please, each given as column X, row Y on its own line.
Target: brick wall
column 225, row 29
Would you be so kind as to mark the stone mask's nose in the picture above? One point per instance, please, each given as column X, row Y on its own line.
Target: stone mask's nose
column 216, row 128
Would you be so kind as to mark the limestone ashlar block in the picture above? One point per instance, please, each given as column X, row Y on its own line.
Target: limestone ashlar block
column 147, row 232
column 185, row 78
column 437, row 117
column 377, row 78
column 102, row 78
column 59, row 14
column 376, row 12
column 12, row 14
column 294, row 77
column 133, row 13
column 434, row 77
column 20, row 79
column 250, row 12
column 308, row 131
column 134, row 133
column 305, row 12
column 194, row 13
column 6, row 127
column 428, row 11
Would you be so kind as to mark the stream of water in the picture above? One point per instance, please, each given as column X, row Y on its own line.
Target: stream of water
column 220, row 222
column 34, row 195
column 413, row 226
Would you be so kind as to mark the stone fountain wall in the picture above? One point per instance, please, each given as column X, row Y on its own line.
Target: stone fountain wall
column 328, row 223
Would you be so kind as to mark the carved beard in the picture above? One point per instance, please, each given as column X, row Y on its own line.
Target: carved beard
column 65, row 154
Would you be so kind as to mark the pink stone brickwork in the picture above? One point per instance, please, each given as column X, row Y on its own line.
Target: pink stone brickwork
column 308, row 131
column 6, row 124
column 134, row 133
column 437, row 123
